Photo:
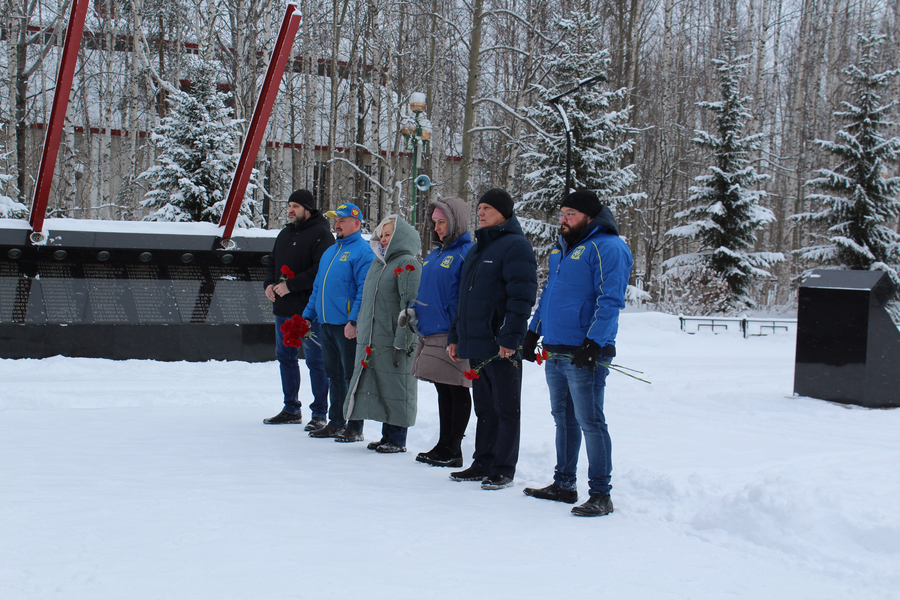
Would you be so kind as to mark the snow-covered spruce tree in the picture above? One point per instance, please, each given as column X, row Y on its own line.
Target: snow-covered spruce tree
column 724, row 207
column 9, row 208
column 198, row 155
column 600, row 137
column 860, row 202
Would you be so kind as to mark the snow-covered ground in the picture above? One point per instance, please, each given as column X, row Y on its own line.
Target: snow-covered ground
column 147, row 480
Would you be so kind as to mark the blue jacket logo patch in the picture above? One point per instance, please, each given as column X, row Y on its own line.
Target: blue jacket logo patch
column 345, row 256
column 577, row 253
column 448, row 260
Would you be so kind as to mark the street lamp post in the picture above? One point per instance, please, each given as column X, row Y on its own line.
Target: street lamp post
column 583, row 84
column 415, row 133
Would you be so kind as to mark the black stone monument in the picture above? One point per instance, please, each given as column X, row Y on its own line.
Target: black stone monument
column 848, row 348
column 120, row 295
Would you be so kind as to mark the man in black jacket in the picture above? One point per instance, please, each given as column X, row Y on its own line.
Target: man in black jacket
column 290, row 274
column 497, row 290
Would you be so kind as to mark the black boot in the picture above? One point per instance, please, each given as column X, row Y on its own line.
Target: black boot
column 284, row 417
column 597, row 506
column 439, row 457
column 374, row 445
column 553, row 492
column 470, row 474
column 315, row 424
column 329, row 431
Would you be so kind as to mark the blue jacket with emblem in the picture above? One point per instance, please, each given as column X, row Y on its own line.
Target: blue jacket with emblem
column 497, row 289
column 439, row 290
column 586, row 287
column 337, row 292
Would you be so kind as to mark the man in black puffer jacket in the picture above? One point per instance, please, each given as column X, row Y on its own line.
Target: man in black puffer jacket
column 497, row 287
column 290, row 274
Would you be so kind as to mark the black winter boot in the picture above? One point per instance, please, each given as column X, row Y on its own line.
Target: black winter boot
column 470, row 474
column 597, row 506
column 553, row 492
column 283, row 418
column 440, row 457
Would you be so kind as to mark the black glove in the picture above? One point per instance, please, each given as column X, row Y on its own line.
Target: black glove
column 587, row 354
column 529, row 345
column 609, row 353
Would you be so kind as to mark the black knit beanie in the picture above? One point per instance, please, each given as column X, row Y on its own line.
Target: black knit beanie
column 583, row 201
column 500, row 200
column 304, row 198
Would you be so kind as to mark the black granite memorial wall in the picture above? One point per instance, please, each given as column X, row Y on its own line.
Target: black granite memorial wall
column 848, row 348
column 162, row 297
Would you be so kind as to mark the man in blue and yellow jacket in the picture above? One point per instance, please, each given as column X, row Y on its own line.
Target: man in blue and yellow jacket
column 334, row 303
column 578, row 317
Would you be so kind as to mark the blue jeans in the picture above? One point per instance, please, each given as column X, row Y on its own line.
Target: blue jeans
column 318, row 381
column 576, row 403
column 288, row 362
column 395, row 434
column 497, row 396
column 340, row 355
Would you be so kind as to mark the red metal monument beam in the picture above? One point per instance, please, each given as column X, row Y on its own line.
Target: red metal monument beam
column 281, row 53
column 57, row 116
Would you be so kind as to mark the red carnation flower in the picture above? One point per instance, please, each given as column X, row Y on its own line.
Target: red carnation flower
column 398, row 270
column 543, row 354
column 368, row 351
column 410, row 267
column 538, row 359
column 301, row 324
column 294, row 330
column 470, row 374
column 364, row 364
column 286, row 271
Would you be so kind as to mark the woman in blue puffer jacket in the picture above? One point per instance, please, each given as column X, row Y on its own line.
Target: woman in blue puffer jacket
column 435, row 308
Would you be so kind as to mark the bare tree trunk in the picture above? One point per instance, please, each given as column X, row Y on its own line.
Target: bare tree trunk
column 310, row 101
column 762, row 34
column 465, row 186
column 522, row 90
column 633, row 40
column 338, row 16
column 20, row 93
column 798, row 112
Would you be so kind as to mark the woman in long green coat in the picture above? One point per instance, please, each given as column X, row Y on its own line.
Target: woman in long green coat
column 381, row 388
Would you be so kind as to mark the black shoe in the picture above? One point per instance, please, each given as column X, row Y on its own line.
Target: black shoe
column 284, row 417
column 553, row 492
column 374, row 445
column 349, row 436
column 496, row 482
column 389, row 448
column 470, row 474
column 597, row 506
column 436, row 459
column 315, row 424
column 329, row 431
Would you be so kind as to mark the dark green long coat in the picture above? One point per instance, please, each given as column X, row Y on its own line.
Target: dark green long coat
column 385, row 391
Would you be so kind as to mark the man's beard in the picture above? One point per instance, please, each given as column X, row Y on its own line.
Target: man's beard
column 298, row 218
column 573, row 234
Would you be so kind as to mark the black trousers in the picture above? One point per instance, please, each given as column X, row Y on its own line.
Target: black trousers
column 497, row 395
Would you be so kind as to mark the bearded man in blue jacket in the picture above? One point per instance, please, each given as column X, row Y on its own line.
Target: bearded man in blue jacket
column 334, row 303
column 497, row 289
column 578, row 317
